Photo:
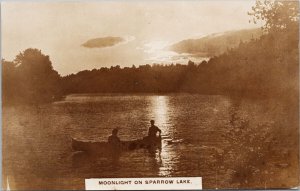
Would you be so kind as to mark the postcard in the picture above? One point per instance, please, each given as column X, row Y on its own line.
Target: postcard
column 151, row 95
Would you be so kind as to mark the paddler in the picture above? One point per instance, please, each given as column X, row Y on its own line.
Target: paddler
column 113, row 139
column 153, row 130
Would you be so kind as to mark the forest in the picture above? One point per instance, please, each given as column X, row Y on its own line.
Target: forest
column 264, row 67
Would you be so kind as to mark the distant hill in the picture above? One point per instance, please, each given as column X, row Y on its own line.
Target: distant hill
column 215, row 44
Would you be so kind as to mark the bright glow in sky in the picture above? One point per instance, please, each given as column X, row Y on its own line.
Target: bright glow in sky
column 59, row 29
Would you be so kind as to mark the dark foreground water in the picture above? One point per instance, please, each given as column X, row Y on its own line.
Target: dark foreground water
column 230, row 143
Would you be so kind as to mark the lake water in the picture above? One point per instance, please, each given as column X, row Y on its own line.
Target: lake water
column 230, row 143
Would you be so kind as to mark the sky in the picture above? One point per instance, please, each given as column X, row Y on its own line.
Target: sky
column 93, row 34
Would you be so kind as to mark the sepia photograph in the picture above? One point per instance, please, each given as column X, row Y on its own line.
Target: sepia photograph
column 165, row 91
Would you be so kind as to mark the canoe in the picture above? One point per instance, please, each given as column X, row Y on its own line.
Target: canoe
column 92, row 147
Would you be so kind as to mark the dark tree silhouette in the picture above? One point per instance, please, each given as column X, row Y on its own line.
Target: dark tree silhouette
column 261, row 67
column 30, row 78
column 278, row 14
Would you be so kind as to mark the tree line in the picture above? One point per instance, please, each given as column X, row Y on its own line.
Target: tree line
column 267, row 66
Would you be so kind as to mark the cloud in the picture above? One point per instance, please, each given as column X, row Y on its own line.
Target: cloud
column 104, row 42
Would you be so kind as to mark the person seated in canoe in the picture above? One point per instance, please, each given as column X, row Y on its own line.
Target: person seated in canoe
column 113, row 139
column 153, row 130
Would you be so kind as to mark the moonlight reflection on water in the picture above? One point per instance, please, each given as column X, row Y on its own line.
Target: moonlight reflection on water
column 192, row 142
column 160, row 108
column 160, row 112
